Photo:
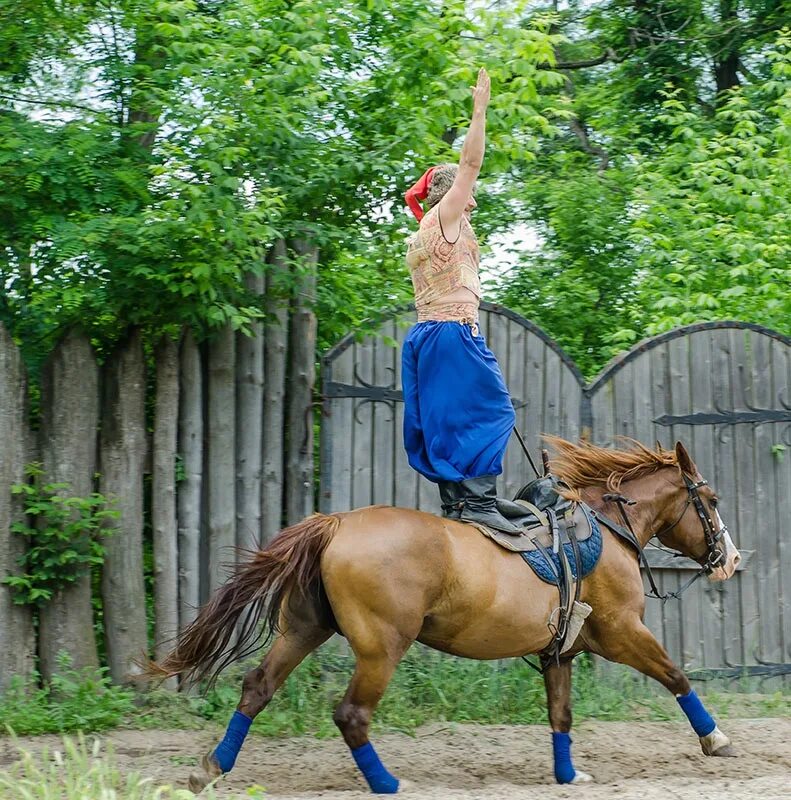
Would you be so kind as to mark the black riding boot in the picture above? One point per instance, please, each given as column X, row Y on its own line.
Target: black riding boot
column 480, row 504
column 450, row 495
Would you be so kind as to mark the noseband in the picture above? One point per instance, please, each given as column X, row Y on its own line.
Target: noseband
column 715, row 557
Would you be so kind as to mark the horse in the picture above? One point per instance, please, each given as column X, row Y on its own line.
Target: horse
column 385, row 577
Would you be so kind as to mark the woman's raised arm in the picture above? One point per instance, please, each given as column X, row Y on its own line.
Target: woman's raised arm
column 452, row 205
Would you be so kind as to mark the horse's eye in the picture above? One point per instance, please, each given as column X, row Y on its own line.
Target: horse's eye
column 714, row 502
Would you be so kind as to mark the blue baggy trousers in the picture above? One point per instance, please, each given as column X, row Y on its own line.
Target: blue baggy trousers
column 458, row 415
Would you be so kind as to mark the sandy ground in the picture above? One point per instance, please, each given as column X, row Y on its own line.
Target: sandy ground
column 636, row 760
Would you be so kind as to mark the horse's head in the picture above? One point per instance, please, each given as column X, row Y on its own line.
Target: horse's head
column 692, row 522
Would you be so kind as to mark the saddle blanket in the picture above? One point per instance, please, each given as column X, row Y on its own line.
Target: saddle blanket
column 590, row 547
column 590, row 551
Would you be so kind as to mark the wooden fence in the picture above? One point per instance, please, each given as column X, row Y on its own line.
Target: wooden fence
column 226, row 459
column 722, row 388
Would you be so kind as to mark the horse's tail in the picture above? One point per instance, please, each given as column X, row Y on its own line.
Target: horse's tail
column 292, row 560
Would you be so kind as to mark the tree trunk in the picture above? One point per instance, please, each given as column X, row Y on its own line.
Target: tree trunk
column 69, row 421
column 275, row 332
column 163, row 499
column 726, row 54
column 190, row 487
column 221, row 455
column 249, row 415
column 17, row 645
column 123, row 450
column 301, row 379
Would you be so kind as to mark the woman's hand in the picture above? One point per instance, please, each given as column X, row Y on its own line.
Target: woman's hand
column 481, row 92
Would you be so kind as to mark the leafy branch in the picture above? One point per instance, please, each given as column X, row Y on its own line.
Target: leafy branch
column 63, row 534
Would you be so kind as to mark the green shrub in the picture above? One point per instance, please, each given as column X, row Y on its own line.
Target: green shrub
column 63, row 537
column 73, row 701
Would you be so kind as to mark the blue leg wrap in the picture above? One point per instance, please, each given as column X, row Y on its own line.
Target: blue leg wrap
column 379, row 779
column 699, row 718
column 227, row 750
column 561, row 747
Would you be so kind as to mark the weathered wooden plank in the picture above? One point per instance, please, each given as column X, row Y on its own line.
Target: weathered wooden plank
column 69, row 420
column 498, row 342
column 221, row 464
column 485, row 319
column 533, row 394
column 644, row 431
column 123, row 451
column 249, row 425
column 362, row 425
column 339, row 458
column 781, row 360
column 744, row 451
column 767, row 565
column 275, row 367
column 301, row 377
column 383, row 490
column 659, row 402
column 17, row 645
column 190, row 488
column 708, row 594
column 163, row 499
column 623, row 405
column 690, row 653
column 603, row 407
column 552, row 366
column 570, row 402
column 517, row 470
column 406, row 479
column 727, row 491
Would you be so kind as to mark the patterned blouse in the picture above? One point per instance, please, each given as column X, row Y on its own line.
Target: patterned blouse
column 439, row 267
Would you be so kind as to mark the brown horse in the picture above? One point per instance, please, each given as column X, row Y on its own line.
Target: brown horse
column 386, row 577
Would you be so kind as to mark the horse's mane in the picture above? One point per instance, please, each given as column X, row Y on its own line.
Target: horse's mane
column 584, row 464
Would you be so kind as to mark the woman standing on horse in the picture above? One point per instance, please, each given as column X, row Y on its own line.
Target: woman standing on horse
column 458, row 414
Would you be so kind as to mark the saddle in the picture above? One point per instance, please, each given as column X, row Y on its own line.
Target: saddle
column 555, row 556
column 552, row 517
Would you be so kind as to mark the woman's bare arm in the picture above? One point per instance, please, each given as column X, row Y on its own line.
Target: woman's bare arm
column 452, row 205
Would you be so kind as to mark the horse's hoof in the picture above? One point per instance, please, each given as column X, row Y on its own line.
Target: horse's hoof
column 198, row 781
column 582, row 777
column 716, row 743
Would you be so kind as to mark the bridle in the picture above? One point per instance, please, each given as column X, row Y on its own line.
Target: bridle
column 715, row 557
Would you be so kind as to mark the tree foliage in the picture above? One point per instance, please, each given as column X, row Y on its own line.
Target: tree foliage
column 664, row 200
column 152, row 152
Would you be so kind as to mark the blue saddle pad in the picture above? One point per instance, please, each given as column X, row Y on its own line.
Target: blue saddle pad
column 590, row 550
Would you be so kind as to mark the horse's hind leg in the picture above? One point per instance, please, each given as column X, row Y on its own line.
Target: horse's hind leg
column 378, row 652
column 633, row 644
column 258, row 688
column 557, row 682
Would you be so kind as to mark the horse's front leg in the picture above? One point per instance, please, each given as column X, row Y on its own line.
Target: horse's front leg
column 633, row 644
column 557, row 681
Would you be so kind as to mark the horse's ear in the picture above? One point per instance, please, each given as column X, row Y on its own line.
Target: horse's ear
column 684, row 459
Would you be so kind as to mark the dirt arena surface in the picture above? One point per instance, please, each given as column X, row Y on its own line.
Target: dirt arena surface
column 636, row 760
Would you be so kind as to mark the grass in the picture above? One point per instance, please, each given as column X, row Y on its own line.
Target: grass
column 427, row 687
column 73, row 701
column 80, row 771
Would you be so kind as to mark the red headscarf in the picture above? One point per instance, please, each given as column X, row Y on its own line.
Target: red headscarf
column 419, row 192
